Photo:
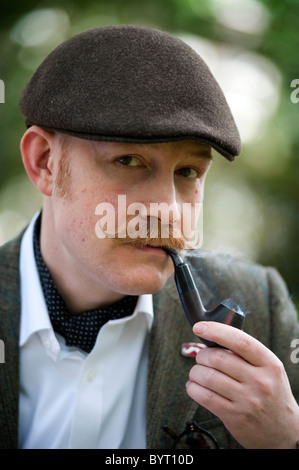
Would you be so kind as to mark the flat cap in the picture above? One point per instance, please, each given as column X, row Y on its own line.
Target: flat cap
column 129, row 83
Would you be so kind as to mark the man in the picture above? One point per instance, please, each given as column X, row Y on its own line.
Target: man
column 92, row 326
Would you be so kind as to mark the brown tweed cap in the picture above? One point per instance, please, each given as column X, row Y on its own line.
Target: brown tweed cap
column 130, row 84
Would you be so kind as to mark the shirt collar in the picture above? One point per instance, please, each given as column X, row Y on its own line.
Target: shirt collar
column 34, row 314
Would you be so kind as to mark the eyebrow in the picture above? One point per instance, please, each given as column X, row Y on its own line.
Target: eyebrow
column 204, row 153
column 207, row 154
column 205, row 147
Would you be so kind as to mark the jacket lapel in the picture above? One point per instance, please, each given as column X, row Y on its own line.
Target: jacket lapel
column 9, row 333
column 168, row 403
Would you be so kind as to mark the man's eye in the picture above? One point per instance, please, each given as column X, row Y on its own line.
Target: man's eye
column 129, row 160
column 188, row 172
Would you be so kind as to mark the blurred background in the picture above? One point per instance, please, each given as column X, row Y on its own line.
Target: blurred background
column 251, row 206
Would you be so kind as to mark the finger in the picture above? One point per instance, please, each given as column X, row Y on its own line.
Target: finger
column 215, row 381
column 235, row 340
column 226, row 362
column 210, row 400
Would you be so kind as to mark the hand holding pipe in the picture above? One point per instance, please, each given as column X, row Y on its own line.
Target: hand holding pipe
column 191, row 301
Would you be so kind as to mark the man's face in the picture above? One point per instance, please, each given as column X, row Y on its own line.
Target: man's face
column 98, row 173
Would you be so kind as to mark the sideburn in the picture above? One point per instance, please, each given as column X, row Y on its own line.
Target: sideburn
column 63, row 178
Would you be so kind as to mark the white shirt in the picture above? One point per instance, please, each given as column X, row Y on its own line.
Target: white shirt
column 70, row 399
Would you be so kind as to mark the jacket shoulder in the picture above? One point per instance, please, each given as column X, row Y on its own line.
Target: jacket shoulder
column 259, row 291
column 222, row 263
column 9, row 334
column 235, row 276
column 9, row 265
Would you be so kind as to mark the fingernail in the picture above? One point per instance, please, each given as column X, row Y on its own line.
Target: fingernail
column 200, row 328
column 188, row 384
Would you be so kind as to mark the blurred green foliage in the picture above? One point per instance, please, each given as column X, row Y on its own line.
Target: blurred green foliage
column 269, row 167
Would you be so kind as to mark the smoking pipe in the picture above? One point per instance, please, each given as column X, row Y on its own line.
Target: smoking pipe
column 192, row 303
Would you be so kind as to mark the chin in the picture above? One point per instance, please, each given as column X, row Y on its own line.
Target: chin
column 145, row 285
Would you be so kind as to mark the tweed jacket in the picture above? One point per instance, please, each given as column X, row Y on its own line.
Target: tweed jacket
column 259, row 291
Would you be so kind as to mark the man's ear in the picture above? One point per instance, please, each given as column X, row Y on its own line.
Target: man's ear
column 37, row 146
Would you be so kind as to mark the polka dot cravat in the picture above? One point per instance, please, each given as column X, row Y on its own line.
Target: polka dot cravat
column 80, row 330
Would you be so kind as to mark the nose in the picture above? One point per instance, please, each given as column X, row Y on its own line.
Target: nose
column 163, row 203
